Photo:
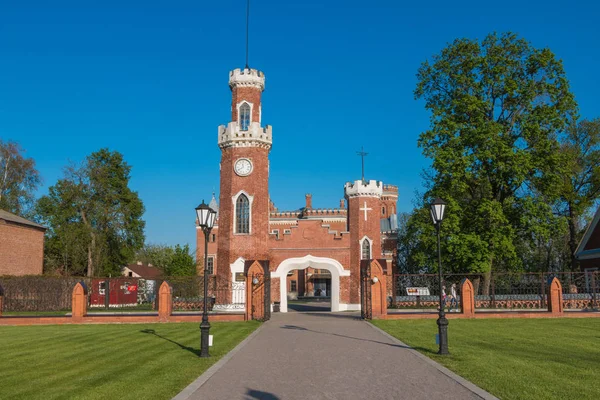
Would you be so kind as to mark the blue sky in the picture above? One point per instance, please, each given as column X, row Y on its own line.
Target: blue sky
column 149, row 79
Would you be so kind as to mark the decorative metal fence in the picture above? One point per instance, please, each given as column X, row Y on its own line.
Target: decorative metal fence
column 29, row 294
column 513, row 291
column 222, row 295
column 44, row 295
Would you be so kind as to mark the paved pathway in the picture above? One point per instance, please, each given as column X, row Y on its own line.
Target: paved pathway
column 327, row 356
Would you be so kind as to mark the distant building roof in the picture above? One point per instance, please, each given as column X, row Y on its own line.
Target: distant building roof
column 10, row 217
column 389, row 224
column 214, row 205
column 589, row 246
column 145, row 270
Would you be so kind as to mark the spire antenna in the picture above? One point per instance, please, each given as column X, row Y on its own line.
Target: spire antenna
column 362, row 155
column 247, row 30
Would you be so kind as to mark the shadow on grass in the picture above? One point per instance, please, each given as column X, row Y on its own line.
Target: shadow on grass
column 300, row 328
column 190, row 349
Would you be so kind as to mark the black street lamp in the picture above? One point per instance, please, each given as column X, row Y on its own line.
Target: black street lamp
column 206, row 219
column 437, row 209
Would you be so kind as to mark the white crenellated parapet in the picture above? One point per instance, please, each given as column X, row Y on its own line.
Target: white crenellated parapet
column 255, row 136
column 359, row 188
column 247, row 77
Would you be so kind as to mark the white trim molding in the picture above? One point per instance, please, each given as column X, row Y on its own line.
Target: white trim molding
column 359, row 188
column 333, row 266
column 234, row 200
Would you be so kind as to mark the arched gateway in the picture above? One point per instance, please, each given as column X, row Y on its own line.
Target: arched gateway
column 333, row 266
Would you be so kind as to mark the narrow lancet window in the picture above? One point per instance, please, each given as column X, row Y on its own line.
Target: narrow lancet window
column 245, row 116
column 366, row 250
column 242, row 214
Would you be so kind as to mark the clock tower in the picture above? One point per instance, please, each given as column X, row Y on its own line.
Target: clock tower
column 244, row 191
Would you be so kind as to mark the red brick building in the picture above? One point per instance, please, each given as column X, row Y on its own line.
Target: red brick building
column 311, row 252
column 21, row 245
column 588, row 251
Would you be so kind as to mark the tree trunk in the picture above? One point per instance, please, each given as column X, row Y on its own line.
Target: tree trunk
column 90, row 262
column 573, row 240
column 487, row 278
column 91, row 246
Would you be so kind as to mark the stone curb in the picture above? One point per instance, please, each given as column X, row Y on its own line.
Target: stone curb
column 202, row 379
column 460, row 380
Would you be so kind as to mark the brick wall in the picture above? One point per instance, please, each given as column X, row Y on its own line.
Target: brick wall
column 212, row 249
column 251, row 246
column 249, row 94
column 21, row 249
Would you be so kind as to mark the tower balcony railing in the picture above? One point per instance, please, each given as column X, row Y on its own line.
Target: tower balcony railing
column 231, row 135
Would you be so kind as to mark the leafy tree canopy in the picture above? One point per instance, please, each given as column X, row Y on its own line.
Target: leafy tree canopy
column 171, row 260
column 18, row 179
column 497, row 108
column 95, row 219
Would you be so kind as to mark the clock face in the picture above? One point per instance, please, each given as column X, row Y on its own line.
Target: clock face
column 243, row 167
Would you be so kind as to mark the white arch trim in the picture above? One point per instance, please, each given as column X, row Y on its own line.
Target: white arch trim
column 331, row 265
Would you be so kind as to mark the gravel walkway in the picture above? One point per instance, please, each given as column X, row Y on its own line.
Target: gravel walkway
column 328, row 356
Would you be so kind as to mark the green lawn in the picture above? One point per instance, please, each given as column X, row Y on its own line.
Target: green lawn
column 133, row 361
column 515, row 358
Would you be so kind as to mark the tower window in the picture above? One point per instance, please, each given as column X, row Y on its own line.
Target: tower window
column 210, row 266
column 242, row 214
column 382, row 210
column 366, row 250
column 245, row 116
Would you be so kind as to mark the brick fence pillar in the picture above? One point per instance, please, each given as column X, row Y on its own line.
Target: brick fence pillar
column 79, row 301
column 165, row 302
column 378, row 289
column 555, row 301
column 467, row 298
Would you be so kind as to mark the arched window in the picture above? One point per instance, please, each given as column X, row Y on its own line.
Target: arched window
column 244, row 116
column 383, row 210
column 242, row 214
column 366, row 250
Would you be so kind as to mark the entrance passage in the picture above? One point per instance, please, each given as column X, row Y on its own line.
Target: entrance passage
column 309, row 289
column 309, row 281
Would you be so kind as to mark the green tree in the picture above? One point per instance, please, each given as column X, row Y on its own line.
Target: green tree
column 580, row 188
column 172, row 261
column 496, row 110
column 94, row 203
column 18, row 179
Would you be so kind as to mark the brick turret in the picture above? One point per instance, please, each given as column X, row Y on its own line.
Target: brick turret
column 364, row 226
column 389, row 198
column 245, row 147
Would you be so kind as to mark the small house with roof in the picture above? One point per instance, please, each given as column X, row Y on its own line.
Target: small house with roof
column 588, row 251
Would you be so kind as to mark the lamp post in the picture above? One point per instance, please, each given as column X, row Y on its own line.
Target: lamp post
column 437, row 209
column 206, row 219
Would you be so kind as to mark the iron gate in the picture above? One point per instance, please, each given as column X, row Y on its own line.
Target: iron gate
column 366, row 309
column 261, row 297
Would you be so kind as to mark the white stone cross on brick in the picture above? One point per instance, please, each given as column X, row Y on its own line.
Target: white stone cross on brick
column 365, row 209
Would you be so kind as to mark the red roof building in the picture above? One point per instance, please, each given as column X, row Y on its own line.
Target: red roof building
column 141, row 270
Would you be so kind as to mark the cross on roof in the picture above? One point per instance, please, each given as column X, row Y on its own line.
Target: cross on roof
column 362, row 155
column 365, row 209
